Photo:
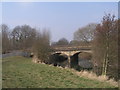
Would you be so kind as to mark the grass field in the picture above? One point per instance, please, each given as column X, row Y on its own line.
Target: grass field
column 20, row 72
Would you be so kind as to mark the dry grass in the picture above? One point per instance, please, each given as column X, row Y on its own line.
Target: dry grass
column 93, row 76
column 86, row 74
column 35, row 59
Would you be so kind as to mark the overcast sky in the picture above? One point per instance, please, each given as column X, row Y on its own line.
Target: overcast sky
column 61, row 18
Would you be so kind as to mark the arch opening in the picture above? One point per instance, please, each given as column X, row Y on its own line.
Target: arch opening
column 74, row 61
column 59, row 59
column 81, row 61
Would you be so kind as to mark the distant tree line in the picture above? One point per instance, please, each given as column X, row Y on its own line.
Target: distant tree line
column 26, row 39
column 62, row 41
column 20, row 38
column 74, row 42
column 83, row 36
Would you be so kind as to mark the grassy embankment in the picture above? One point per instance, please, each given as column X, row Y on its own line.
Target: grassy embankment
column 22, row 72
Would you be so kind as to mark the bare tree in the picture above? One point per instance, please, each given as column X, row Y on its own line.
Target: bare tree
column 28, row 35
column 42, row 47
column 105, row 45
column 5, row 38
column 23, row 37
column 16, row 37
column 86, row 33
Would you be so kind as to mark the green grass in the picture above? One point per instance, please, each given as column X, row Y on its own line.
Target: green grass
column 20, row 72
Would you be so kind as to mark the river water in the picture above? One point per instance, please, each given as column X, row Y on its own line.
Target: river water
column 15, row 53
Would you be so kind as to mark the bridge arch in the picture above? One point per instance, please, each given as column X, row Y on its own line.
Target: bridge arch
column 59, row 59
column 72, row 57
column 74, row 60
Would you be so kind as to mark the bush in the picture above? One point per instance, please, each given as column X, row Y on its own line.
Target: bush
column 41, row 47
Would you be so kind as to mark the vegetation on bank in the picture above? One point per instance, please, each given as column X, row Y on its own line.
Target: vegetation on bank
column 103, row 38
column 21, row 72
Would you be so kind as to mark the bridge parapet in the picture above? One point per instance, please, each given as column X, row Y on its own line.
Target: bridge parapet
column 71, row 48
column 71, row 53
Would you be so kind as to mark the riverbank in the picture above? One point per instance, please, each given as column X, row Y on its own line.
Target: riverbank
column 21, row 72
